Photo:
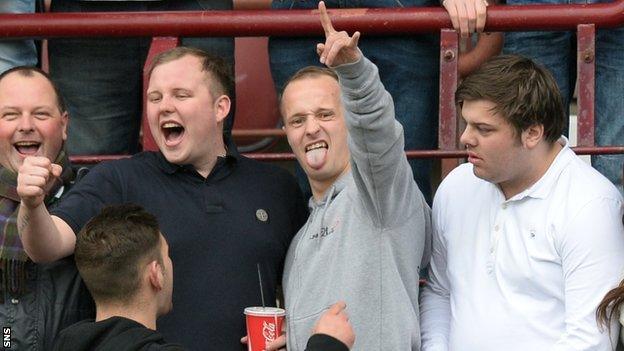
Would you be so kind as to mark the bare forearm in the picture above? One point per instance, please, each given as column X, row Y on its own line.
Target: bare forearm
column 489, row 45
column 40, row 234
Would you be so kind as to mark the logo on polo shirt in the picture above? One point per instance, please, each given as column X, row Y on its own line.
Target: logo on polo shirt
column 262, row 215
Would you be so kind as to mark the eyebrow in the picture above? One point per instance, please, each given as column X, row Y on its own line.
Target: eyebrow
column 9, row 107
column 477, row 123
column 45, row 107
column 317, row 111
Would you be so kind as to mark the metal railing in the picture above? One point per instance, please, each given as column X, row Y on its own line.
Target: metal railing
column 387, row 21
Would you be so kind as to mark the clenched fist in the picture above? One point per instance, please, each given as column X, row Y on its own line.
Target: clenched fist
column 35, row 178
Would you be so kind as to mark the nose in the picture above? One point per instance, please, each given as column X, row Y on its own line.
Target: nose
column 166, row 105
column 312, row 126
column 466, row 137
column 25, row 124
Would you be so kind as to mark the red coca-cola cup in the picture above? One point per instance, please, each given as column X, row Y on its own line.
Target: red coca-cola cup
column 264, row 324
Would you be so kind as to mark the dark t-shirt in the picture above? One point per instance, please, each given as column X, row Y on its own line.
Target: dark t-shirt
column 245, row 213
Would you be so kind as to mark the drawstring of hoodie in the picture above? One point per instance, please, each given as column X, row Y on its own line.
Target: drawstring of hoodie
column 325, row 207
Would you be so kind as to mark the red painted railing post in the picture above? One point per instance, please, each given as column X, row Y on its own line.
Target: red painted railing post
column 586, row 68
column 447, row 130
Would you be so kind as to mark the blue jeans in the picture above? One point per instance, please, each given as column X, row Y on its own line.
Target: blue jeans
column 17, row 52
column 408, row 66
column 557, row 51
column 101, row 78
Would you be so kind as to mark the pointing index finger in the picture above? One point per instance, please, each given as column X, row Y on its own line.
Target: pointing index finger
column 325, row 21
column 338, row 307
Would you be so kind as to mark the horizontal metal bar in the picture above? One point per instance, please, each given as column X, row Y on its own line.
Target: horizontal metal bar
column 286, row 156
column 240, row 23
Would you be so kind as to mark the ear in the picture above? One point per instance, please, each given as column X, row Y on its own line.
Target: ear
column 156, row 275
column 64, row 122
column 222, row 107
column 532, row 136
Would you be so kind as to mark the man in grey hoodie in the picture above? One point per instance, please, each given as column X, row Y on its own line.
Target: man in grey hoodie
column 369, row 227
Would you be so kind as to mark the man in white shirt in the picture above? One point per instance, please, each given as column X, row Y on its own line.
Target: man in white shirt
column 527, row 237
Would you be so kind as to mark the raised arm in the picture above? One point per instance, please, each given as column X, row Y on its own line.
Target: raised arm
column 339, row 48
column 45, row 238
column 380, row 168
column 488, row 46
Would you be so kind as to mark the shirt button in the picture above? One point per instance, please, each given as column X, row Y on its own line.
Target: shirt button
column 504, row 206
column 492, row 250
column 14, row 301
column 496, row 228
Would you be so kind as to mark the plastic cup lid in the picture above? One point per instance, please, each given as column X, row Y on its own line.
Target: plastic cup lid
column 265, row 311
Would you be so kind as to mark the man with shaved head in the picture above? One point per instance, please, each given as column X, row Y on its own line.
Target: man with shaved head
column 368, row 229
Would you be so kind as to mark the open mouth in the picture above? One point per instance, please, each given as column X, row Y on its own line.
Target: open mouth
column 316, row 154
column 27, row 148
column 173, row 132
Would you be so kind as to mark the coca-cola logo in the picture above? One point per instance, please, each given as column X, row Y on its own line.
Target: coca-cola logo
column 268, row 331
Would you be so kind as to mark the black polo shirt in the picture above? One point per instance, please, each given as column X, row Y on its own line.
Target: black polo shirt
column 218, row 228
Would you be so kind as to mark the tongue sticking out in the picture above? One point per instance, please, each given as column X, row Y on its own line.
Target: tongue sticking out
column 316, row 157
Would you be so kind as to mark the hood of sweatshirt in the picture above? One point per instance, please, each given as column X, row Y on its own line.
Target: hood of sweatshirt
column 331, row 193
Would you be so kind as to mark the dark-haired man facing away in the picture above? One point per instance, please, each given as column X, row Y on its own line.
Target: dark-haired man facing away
column 124, row 261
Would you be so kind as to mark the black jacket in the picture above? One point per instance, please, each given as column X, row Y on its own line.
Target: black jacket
column 112, row 334
column 122, row 334
column 55, row 298
column 323, row 342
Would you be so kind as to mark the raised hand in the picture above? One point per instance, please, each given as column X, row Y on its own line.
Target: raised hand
column 35, row 178
column 468, row 16
column 339, row 47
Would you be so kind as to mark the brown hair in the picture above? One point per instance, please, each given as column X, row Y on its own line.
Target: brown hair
column 111, row 248
column 311, row 72
column 525, row 93
column 29, row 71
column 217, row 68
column 610, row 305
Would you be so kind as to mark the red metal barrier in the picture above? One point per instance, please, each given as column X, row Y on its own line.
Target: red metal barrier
column 386, row 21
column 441, row 154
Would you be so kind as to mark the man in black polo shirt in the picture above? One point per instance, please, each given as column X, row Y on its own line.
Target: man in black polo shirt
column 222, row 213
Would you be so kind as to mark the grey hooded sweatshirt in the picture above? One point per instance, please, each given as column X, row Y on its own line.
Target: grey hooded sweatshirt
column 365, row 242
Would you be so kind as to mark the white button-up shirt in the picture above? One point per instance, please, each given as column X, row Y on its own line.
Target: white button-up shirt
column 525, row 273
